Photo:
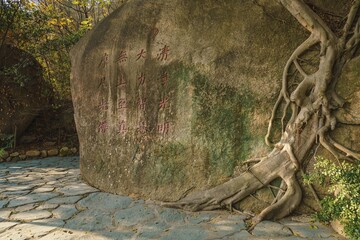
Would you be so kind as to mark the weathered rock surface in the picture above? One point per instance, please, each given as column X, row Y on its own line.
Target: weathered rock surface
column 173, row 95
column 21, row 92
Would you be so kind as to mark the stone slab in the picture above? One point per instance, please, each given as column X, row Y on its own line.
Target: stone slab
column 3, row 203
column 109, row 201
column 186, row 233
column 31, row 215
column 77, row 189
column 35, row 229
column 26, row 207
column 64, row 211
column 134, row 215
column 90, row 220
column 6, row 225
column 4, row 214
column 31, row 198
column 65, row 200
column 271, row 229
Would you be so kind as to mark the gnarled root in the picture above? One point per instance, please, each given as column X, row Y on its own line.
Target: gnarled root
column 257, row 177
column 312, row 104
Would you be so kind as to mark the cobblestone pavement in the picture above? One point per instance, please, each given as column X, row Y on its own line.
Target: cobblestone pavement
column 46, row 199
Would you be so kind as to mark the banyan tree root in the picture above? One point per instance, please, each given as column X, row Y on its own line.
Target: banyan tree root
column 312, row 104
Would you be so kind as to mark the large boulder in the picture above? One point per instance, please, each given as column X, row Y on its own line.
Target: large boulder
column 172, row 96
column 22, row 90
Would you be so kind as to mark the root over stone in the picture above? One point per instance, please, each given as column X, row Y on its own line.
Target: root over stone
column 312, row 103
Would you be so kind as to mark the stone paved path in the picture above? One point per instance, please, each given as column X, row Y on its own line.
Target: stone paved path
column 46, row 199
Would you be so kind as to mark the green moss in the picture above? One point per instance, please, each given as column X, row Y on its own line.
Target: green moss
column 221, row 124
column 169, row 167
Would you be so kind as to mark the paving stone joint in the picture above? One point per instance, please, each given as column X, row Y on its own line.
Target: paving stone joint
column 46, row 199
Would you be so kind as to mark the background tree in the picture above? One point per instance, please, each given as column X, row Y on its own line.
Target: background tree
column 47, row 29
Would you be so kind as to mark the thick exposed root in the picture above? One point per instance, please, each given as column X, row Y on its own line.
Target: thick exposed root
column 312, row 104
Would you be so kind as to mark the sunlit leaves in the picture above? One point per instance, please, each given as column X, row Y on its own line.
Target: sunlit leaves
column 48, row 29
column 344, row 202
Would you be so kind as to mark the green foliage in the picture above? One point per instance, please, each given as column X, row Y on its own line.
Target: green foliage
column 2, row 152
column 6, row 141
column 15, row 74
column 344, row 202
column 47, row 30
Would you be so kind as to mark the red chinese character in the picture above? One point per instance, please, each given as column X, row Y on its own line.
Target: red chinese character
column 163, row 103
column 154, row 32
column 106, row 57
column 163, row 53
column 103, row 126
column 121, row 80
column 102, row 82
column 141, row 79
column 141, row 54
column 104, row 60
column 122, row 127
column 122, row 103
column 103, row 106
column 163, row 128
column 122, row 57
column 141, row 103
column 142, row 127
column 164, row 78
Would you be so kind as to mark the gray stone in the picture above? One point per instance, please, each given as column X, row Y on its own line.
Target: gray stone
column 26, row 101
column 134, row 215
column 199, row 217
column 161, row 132
column 31, row 215
column 76, row 189
column 240, row 235
column 271, row 229
column 81, row 235
column 26, row 207
column 65, row 200
column 15, row 193
column 3, row 203
column 172, row 216
column 225, row 228
column 64, row 212
column 186, row 233
column 90, row 220
column 18, row 188
column 31, row 198
column 47, row 206
column 108, row 201
column 152, row 231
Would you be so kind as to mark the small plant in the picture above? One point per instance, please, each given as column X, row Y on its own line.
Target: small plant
column 6, row 141
column 344, row 202
column 2, row 152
